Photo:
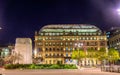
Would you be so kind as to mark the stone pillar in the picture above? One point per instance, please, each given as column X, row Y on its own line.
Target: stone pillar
column 23, row 48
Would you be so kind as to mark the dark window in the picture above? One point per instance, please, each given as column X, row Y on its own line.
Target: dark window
column 46, row 49
column 53, row 49
column 61, row 49
column 50, row 49
column 57, row 49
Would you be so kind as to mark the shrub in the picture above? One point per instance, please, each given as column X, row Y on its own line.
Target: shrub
column 32, row 66
column 70, row 66
column 54, row 66
column 39, row 66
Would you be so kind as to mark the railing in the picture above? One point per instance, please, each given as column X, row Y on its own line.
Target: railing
column 54, row 56
column 111, row 68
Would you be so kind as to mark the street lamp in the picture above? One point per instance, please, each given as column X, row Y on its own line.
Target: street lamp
column 118, row 10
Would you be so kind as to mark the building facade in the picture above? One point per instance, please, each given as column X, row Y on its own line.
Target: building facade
column 5, row 50
column 114, row 38
column 55, row 43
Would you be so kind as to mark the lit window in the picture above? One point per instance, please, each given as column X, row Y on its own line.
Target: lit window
column 50, row 44
column 53, row 33
column 61, row 33
column 83, row 38
column 66, row 60
column 46, row 38
column 91, row 38
column 90, row 33
column 61, row 38
column 70, row 43
column 94, row 33
column 70, row 60
column 87, row 38
column 66, row 33
column 95, row 38
column 46, row 33
column 50, row 33
column 57, row 33
column 80, row 38
column 71, row 49
column 66, row 54
column 99, row 33
column 66, row 43
column 41, row 33
column 79, row 33
column 40, row 38
column 86, row 33
column 50, row 38
column 66, row 48
column 46, row 44
column 36, row 39
column 39, row 43
column 101, row 38
column 61, row 43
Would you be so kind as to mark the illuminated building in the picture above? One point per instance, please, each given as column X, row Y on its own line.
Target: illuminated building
column 5, row 50
column 114, row 38
column 55, row 43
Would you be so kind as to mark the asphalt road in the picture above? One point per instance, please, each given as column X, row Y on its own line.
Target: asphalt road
column 88, row 71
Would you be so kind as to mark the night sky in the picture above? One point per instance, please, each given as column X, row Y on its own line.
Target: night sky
column 21, row 18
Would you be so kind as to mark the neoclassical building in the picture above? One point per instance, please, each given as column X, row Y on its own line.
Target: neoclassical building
column 55, row 43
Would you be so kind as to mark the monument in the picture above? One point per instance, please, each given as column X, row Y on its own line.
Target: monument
column 23, row 48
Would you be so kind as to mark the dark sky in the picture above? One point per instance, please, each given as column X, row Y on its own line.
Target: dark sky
column 21, row 18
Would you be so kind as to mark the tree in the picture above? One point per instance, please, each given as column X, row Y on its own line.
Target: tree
column 1, row 61
column 91, row 53
column 78, row 54
column 102, row 55
column 14, row 58
column 113, row 55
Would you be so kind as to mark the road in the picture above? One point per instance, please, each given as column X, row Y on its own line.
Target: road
column 88, row 71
